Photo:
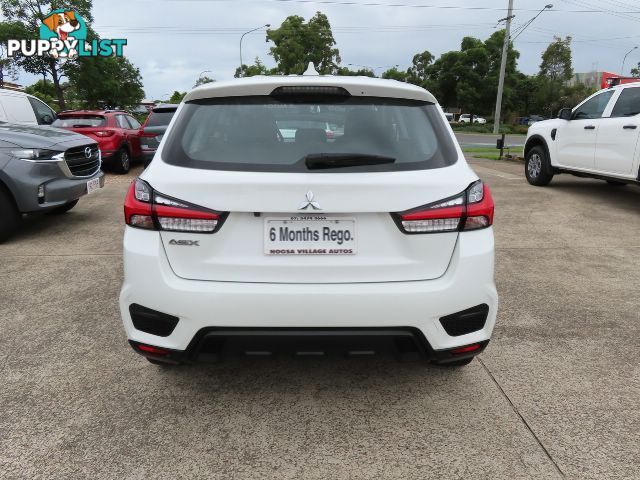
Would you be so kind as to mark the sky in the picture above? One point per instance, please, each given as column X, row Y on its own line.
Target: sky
column 173, row 41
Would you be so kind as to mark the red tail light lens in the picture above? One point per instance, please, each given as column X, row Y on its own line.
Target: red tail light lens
column 469, row 210
column 104, row 133
column 151, row 210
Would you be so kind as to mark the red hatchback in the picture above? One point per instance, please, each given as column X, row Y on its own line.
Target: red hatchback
column 116, row 131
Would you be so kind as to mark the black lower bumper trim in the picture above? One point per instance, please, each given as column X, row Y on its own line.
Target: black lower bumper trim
column 213, row 344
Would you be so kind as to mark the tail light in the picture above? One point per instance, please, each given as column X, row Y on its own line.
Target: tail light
column 104, row 133
column 145, row 208
column 469, row 210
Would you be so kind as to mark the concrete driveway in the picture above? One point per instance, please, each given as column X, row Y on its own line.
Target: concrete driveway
column 555, row 394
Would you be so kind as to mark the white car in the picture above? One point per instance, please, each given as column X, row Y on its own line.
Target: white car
column 596, row 139
column 240, row 242
column 466, row 118
column 24, row 109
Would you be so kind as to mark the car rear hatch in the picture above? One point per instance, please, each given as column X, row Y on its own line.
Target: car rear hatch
column 93, row 126
column 295, row 216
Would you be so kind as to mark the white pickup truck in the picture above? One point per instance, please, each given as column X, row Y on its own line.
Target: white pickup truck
column 597, row 139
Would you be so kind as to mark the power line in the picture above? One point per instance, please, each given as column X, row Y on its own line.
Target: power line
column 404, row 5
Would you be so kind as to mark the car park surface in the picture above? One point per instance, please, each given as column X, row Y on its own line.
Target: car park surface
column 555, row 394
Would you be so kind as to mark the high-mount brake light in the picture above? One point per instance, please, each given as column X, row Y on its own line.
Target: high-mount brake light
column 469, row 210
column 151, row 210
column 310, row 90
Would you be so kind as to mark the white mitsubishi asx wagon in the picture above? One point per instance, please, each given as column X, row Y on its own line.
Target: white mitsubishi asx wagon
column 361, row 230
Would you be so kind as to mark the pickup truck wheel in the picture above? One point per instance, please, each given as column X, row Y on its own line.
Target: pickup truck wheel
column 122, row 161
column 64, row 208
column 537, row 166
column 9, row 216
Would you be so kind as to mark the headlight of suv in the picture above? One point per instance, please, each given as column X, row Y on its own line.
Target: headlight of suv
column 38, row 155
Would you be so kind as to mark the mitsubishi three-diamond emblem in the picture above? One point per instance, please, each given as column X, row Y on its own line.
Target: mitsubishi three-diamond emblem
column 309, row 202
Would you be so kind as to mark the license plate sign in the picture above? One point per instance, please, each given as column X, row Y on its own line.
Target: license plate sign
column 93, row 185
column 309, row 235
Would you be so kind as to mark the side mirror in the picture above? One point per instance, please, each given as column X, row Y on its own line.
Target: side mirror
column 565, row 114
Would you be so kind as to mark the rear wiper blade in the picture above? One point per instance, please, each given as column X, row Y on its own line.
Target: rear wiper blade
column 319, row 161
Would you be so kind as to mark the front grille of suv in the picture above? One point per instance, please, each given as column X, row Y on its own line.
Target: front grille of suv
column 79, row 164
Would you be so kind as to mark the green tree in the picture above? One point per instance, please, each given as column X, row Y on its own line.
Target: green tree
column 444, row 78
column 202, row 80
column 420, row 69
column 394, row 74
column 102, row 82
column 297, row 43
column 26, row 17
column 257, row 68
column 45, row 91
column 361, row 72
column 556, row 61
column 177, row 97
column 555, row 71
column 8, row 66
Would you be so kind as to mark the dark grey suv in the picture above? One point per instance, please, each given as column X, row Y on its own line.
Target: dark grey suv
column 44, row 169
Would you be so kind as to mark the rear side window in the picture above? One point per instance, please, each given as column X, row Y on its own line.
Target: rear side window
column 160, row 118
column 135, row 124
column 80, row 121
column 269, row 134
column 628, row 103
column 122, row 122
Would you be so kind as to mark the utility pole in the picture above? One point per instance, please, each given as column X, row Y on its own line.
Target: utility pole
column 503, row 67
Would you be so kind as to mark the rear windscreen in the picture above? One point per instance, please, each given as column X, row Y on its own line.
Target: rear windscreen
column 80, row 121
column 270, row 134
column 160, row 119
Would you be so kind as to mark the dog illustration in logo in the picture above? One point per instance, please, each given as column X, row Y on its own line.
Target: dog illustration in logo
column 62, row 24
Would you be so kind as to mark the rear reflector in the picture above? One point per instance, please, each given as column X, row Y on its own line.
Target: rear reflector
column 466, row 349
column 469, row 210
column 151, row 210
column 151, row 349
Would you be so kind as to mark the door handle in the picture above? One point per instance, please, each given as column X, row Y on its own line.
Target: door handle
column 590, row 127
column 630, row 127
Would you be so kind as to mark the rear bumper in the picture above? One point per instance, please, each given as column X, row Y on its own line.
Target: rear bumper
column 206, row 306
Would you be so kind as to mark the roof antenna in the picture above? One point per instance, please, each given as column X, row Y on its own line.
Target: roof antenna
column 311, row 70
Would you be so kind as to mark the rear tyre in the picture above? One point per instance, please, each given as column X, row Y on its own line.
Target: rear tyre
column 9, row 216
column 537, row 166
column 64, row 208
column 616, row 183
column 457, row 363
column 122, row 161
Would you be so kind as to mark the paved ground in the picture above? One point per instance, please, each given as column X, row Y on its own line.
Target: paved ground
column 488, row 140
column 556, row 393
